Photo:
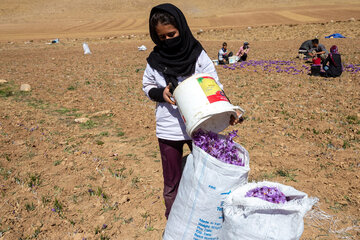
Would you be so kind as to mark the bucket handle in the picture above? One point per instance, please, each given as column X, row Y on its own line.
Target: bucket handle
column 240, row 109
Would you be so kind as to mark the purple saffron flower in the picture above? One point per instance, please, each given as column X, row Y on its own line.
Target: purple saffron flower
column 222, row 149
column 270, row 194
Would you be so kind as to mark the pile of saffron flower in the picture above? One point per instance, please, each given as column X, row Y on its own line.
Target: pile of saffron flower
column 223, row 149
column 352, row 68
column 270, row 194
column 288, row 67
column 284, row 67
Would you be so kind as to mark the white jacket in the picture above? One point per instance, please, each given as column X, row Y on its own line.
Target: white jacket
column 169, row 124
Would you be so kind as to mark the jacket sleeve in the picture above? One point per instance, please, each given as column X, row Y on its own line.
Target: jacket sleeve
column 238, row 53
column 150, row 86
column 220, row 55
column 323, row 48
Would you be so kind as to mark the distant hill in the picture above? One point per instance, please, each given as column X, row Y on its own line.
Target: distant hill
column 20, row 18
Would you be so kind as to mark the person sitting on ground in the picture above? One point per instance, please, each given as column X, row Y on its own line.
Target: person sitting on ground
column 305, row 48
column 334, row 68
column 224, row 55
column 243, row 52
column 320, row 49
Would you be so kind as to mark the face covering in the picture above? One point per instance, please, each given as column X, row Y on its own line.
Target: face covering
column 171, row 44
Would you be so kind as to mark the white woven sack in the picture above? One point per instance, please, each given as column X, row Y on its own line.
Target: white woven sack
column 86, row 48
column 205, row 183
column 251, row 218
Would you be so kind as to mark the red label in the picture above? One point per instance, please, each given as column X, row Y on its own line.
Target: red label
column 219, row 96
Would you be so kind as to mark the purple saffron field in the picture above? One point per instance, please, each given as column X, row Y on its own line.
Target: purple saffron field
column 222, row 149
column 285, row 67
column 270, row 194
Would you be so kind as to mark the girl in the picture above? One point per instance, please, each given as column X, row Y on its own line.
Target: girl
column 243, row 52
column 334, row 69
column 176, row 56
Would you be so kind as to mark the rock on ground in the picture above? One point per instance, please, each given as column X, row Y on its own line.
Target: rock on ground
column 81, row 120
column 25, row 87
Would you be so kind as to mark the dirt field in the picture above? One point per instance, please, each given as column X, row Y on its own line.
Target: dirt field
column 102, row 179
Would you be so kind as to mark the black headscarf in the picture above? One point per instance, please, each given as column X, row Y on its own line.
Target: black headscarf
column 180, row 58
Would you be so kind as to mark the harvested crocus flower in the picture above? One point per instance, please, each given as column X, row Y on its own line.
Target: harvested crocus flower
column 223, row 149
column 270, row 194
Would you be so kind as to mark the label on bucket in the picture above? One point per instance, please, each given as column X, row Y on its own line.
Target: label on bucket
column 212, row 91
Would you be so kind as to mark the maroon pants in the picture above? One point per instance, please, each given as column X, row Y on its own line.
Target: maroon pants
column 171, row 158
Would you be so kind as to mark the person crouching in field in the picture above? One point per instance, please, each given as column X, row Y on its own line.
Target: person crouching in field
column 320, row 50
column 332, row 64
column 243, row 52
column 305, row 49
column 223, row 55
column 176, row 56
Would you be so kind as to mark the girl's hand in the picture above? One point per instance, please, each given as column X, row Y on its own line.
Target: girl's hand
column 167, row 95
column 236, row 120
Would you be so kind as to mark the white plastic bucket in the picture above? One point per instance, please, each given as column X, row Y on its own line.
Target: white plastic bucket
column 203, row 104
column 232, row 59
column 216, row 62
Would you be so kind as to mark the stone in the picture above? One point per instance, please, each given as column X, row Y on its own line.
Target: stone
column 352, row 19
column 25, row 87
column 19, row 142
column 82, row 120
column 3, row 81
